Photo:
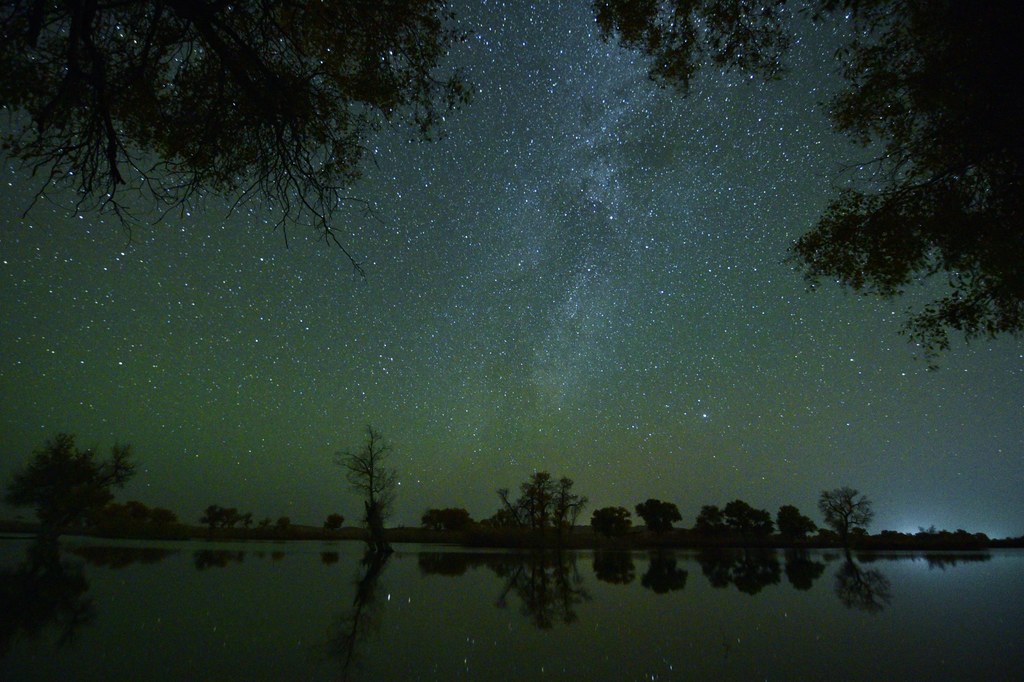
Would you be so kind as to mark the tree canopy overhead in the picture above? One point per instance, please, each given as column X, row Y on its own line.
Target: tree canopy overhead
column 176, row 99
column 933, row 92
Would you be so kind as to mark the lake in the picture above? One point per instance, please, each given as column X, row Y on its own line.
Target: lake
column 118, row 610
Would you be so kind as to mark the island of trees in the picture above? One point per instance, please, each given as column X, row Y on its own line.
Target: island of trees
column 71, row 492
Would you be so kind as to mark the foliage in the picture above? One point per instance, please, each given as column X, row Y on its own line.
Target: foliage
column 657, row 515
column 710, row 521
column 745, row 520
column 451, row 518
column 792, row 524
column 503, row 518
column 283, row 523
column 926, row 92
column 134, row 518
column 177, row 99
column 216, row 516
column 368, row 474
column 680, row 36
column 609, row 521
column 65, row 484
column 567, row 505
column 333, row 521
column 845, row 510
column 543, row 503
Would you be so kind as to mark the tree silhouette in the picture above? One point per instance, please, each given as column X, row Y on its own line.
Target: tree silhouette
column 710, row 521
column 657, row 515
column 66, row 484
column 216, row 516
column 745, row 520
column 333, row 522
column 792, row 524
column 542, row 503
column 367, row 472
column 609, row 521
column 926, row 91
column 844, row 510
column 451, row 518
column 566, row 505
column 176, row 99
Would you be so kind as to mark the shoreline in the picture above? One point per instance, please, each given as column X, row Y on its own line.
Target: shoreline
column 582, row 537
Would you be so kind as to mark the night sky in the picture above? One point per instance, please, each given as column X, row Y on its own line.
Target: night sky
column 586, row 276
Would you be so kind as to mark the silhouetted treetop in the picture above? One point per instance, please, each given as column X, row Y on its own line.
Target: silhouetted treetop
column 932, row 91
column 175, row 99
column 65, row 484
column 658, row 515
column 680, row 36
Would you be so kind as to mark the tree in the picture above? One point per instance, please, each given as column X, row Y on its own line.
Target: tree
column 231, row 517
column 213, row 517
column 844, row 510
column 503, row 518
column 368, row 474
column 283, row 524
column 452, row 518
column 710, row 521
column 65, row 484
column 792, row 524
column 163, row 517
column 537, row 500
column 333, row 522
column 680, row 36
column 659, row 516
column 943, row 197
column 172, row 100
column 746, row 520
column 567, row 505
column 609, row 521
column 542, row 502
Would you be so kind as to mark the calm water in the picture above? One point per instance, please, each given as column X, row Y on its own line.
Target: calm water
column 310, row 611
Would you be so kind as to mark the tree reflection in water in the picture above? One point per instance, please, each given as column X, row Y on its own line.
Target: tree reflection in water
column 363, row 618
column 216, row 558
column 40, row 592
column 860, row 588
column 119, row 556
column 548, row 585
column 615, row 567
column 662, row 575
column 750, row 570
column 801, row 570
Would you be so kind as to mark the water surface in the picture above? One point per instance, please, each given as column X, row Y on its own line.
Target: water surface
column 103, row 610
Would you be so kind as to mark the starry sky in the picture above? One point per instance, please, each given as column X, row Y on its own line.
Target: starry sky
column 586, row 276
